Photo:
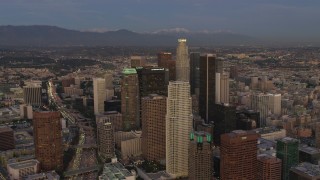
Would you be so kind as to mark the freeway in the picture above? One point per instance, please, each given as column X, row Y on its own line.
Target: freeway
column 84, row 162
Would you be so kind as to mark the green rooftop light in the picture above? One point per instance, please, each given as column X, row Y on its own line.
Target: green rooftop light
column 209, row 138
column 191, row 136
column 199, row 139
column 128, row 71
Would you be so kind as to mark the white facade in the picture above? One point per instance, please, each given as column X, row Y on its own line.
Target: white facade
column 275, row 103
column 224, row 88
column 182, row 61
column 99, row 95
column 178, row 127
column 26, row 111
column 217, row 95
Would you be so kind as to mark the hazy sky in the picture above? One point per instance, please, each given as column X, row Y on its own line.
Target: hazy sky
column 264, row 18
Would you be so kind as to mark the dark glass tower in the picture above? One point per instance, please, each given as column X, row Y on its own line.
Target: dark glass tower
column 195, row 72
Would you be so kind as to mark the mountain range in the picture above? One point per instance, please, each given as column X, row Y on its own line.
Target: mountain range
column 38, row 35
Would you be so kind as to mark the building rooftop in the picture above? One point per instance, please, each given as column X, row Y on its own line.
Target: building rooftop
column 308, row 149
column 288, row 140
column 115, row 171
column 48, row 175
column 128, row 71
column 267, row 130
column 306, row 168
column 5, row 129
column 24, row 164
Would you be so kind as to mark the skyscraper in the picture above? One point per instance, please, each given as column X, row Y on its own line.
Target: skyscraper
column 99, row 94
column 224, row 120
column 288, row 152
column 6, row 138
column 195, row 72
column 200, row 156
column 165, row 61
column 130, row 99
column 105, row 137
column 137, row 61
column 153, row 80
column 32, row 95
column 154, row 127
column 269, row 167
column 224, row 88
column 209, row 66
column 47, row 132
column 182, row 62
column 238, row 155
column 178, row 127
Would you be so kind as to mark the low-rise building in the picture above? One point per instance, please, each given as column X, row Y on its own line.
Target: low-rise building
column 19, row 170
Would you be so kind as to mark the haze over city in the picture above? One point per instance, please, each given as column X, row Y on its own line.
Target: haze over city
column 287, row 20
column 159, row 89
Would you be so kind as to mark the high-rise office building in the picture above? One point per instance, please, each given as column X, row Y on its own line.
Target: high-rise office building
column 200, row 156
column 182, row 62
column 260, row 103
column 99, row 94
column 105, row 138
column 47, row 132
column 234, row 71
column 209, row 66
column 288, row 152
column 165, row 61
column 195, row 72
column 154, row 127
column 137, row 61
column 32, row 95
column 269, row 167
column 225, row 120
column 153, row 80
column 224, row 88
column 317, row 134
column 6, row 138
column 275, row 104
column 130, row 99
column 238, row 155
column 178, row 127
column 115, row 118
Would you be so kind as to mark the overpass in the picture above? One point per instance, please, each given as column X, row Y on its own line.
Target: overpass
column 81, row 171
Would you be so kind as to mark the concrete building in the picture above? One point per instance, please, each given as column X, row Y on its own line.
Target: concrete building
column 178, row 127
column 305, row 171
column 20, row 170
column 115, row 118
column 261, row 103
column 238, row 153
column 116, row 170
column 154, row 127
column 47, row 132
column 165, row 61
column 6, row 138
column 269, row 167
column 51, row 175
column 275, row 104
column 182, row 61
column 72, row 90
column 271, row 133
column 105, row 138
column 224, row 88
column 137, row 61
column 32, row 95
column 309, row 154
column 200, row 156
column 129, row 143
column 99, row 94
column 288, row 152
column 130, row 99
column 26, row 111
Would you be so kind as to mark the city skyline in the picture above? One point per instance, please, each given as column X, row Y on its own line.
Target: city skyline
column 263, row 19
